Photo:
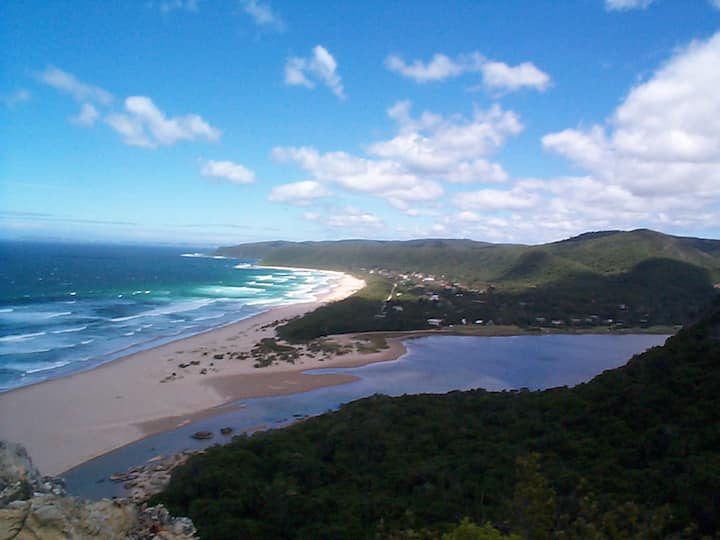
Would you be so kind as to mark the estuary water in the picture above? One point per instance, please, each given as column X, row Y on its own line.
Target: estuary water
column 435, row 364
column 66, row 308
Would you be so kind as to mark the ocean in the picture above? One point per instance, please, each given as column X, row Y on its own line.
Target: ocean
column 66, row 308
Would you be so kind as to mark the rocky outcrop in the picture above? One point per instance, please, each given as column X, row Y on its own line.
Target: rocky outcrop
column 33, row 507
column 143, row 481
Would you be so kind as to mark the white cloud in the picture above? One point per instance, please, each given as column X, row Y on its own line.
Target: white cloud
column 536, row 210
column 69, row 84
column 16, row 98
column 661, row 140
column 295, row 73
column 233, row 172
column 409, row 167
column 439, row 68
column 299, row 193
column 320, row 67
column 495, row 75
column 495, row 199
column 131, row 129
column 146, row 125
column 449, row 148
column 500, row 76
column 466, row 215
column 381, row 178
column 715, row 3
column 263, row 15
column 87, row 116
column 625, row 5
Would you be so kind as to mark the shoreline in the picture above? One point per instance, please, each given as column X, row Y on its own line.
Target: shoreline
column 67, row 421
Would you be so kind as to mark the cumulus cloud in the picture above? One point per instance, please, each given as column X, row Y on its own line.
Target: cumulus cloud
column 410, row 167
column 263, row 15
column 319, row 67
column 500, row 76
column 298, row 193
column 144, row 124
column 449, row 148
column 439, row 68
column 87, row 116
column 495, row 199
column 227, row 170
column 385, row 179
column 625, row 5
column 496, row 76
column 662, row 138
column 654, row 163
column 69, row 84
column 15, row 99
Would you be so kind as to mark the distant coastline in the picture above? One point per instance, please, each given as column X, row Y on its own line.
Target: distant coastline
column 67, row 421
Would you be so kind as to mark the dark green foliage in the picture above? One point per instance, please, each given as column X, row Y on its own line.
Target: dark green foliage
column 635, row 453
column 655, row 292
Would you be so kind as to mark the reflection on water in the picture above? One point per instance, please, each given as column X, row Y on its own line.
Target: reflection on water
column 434, row 364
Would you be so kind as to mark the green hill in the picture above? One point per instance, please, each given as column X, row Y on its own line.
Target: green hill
column 634, row 453
column 635, row 278
column 617, row 252
column 461, row 258
column 601, row 253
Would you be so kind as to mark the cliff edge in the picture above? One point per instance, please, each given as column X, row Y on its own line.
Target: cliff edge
column 33, row 507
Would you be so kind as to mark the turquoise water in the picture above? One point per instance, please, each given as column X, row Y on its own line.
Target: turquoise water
column 67, row 308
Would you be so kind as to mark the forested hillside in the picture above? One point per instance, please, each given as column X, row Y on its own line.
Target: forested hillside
column 610, row 253
column 634, row 453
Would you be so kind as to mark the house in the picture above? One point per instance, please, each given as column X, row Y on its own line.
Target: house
column 435, row 322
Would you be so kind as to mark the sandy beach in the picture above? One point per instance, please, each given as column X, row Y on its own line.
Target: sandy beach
column 67, row 421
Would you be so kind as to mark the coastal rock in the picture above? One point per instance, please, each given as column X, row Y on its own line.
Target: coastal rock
column 37, row 508
column 18, row 476
column 144, row 481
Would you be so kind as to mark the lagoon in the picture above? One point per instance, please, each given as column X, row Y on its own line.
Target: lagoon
column 433, row 364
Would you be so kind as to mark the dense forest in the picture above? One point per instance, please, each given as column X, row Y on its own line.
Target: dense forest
column 644, row 301
column 634, row 453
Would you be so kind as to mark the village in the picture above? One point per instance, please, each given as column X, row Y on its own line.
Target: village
column 444, row 303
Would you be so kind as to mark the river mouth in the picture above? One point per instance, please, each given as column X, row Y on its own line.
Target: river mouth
column 433, row 364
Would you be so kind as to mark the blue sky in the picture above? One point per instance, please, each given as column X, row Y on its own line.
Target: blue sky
column 225, row 121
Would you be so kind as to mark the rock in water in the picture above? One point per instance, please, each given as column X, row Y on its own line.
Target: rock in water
column 37, row 508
